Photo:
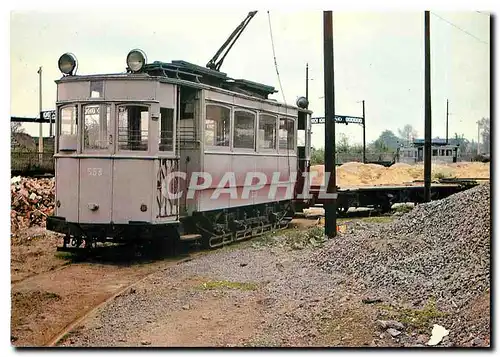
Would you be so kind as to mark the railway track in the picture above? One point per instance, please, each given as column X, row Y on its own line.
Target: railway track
column 84, row 288
column 69, row 327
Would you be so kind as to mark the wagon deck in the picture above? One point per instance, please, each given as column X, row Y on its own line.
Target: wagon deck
column 384, row 196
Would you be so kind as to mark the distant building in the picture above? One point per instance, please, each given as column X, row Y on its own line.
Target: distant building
column 441, row 151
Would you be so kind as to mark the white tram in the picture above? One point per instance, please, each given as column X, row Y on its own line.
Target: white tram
column 441, row 153
column 121, row 137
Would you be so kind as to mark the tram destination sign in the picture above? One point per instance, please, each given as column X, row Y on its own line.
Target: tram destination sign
column 339, row 119
column 48, row 115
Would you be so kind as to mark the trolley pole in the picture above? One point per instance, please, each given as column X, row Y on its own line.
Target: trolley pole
column 331, row 186
column 427, row 86
column 40, row 135
column 364, row 133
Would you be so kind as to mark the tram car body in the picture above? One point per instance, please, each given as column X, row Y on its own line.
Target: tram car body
column 439, row 153
column 129, row 146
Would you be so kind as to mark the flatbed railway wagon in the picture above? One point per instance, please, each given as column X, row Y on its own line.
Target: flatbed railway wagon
column 383, row 197
column 130, row 147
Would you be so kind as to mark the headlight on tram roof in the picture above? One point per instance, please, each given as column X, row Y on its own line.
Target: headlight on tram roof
column 136, row 60
column 68, row 64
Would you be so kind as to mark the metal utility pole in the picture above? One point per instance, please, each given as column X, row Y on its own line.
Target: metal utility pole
column 364, row 134
column 307, row 81
column 331, row 185
column 427, row 86
column 447, row 114
column 40, row 135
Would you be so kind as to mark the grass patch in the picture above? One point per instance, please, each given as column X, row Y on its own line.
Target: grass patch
column 225, row 284
column 294, row 239
column 378, row 219
column 419, row 319
column 404, row 208
column 64, row 255
column 442, row 175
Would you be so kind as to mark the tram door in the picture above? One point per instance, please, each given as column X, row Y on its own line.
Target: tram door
column 303, row 148
column 114, row 170
column 96, row 164
column 420, row 154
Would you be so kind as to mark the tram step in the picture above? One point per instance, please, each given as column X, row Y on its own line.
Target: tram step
column 189, row 237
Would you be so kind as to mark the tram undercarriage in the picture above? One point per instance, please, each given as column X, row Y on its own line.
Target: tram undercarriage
column 210, row 229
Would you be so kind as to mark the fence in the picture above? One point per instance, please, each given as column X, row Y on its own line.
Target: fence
column 26, row 163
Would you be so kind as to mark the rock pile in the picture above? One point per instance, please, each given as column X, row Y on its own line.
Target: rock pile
column 439, row 251
column 32, row 200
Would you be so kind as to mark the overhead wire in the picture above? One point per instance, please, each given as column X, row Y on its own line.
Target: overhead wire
column 282, row 93
column 461, row 29
column 274, row 56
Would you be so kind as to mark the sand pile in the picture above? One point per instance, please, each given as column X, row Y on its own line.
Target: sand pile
column 358, row 174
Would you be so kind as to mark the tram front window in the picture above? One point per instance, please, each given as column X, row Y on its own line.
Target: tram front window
column 133, row 123
column 97, row 126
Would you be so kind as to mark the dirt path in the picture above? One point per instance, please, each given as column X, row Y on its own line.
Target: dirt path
column 45, row 305
column 251, row 294
column 51, row 290
column 255, row 293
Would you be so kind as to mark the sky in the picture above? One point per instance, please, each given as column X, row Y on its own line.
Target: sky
column 378, row 57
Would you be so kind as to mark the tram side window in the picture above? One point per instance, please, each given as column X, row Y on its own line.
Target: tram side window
column 133, row 125
column 244, row 130
column 448, row 152
column 96, row 126
column 217, row 125
column 287, row 134
column 68, row 121
column 68, row 129
column 267, row 132
column 166, row 129
column 434, row 152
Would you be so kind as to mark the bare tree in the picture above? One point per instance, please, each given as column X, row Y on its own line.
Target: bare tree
column 342, row 143
column 408, row 133
column 485, row 134
column 16, row 128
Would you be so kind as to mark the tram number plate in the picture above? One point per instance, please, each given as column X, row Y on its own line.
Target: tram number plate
column 94, row 171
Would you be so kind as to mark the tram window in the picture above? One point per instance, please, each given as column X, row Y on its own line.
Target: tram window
column 434, row 152
column 448, row 152
column 68, row 121
column 96, row 89
column 96, row 126
column 287, row 134
column 217, row 125
column 441, row 153
column 244, row 130
column 166, row 129
column 267, row 131
column 133, row 124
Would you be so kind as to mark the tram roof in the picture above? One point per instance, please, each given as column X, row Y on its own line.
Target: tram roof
column 436, row 142
column 192, row 72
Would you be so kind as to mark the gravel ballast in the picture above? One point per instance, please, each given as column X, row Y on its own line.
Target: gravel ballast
column 439, row 251
column 326, row 294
